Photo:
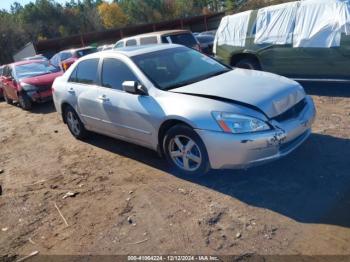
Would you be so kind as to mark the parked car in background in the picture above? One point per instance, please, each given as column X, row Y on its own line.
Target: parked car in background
column 66, row 58
column 105, row 47
column 301, row 40
column 206, row 43
column 36, row 57
column 181, row 37
column 29, row 81
column 197, row 112
column 1, row 76
column 204, row 33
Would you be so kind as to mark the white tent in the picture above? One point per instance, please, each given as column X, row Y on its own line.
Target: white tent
column 275, row 24
column 319, row 23
column 305, row 23
column 233, row 30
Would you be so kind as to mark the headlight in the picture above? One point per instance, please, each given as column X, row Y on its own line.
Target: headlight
column 28, row 87
column 238, row 124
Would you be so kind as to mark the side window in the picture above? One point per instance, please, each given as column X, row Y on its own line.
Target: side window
column 73, row 76
column 148, row 40
column 115, row 72
column 85, row 72
column 165, row 40
column 131, row 42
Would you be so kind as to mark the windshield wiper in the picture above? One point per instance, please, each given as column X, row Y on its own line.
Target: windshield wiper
column 197, row 79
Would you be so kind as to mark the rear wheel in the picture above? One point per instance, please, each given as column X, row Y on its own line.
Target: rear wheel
column 24, row 101
column 75, row 126
column 8, row 100
column 248, row 63
column 185, row 151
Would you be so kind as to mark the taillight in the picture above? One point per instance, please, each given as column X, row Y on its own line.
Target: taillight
column 65, row 66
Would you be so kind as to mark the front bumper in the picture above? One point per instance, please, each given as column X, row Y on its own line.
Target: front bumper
column 246, row 150
column 40, row 96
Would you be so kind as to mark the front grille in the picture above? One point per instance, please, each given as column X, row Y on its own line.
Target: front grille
column 291, row 113
column 44, row 88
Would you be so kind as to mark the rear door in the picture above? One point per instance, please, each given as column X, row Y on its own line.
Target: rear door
column 83, row 91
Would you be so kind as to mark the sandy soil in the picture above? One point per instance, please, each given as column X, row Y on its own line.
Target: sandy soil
column 128, row 202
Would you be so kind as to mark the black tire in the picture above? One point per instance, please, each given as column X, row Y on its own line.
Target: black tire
column 7, row 100
column 248, row 63
column 24, row 101
column 77, row 128
column 185, row 132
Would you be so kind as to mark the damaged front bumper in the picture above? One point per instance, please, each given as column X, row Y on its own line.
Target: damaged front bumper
column 39, row 95
column 246, row 150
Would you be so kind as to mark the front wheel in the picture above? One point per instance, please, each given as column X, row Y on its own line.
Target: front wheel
column 185, row 151
column 75, row 126
column 24, row 101
column 248, row 63
column 7, row 100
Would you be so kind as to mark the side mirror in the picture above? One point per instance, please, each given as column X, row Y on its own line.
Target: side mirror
column 134, row 87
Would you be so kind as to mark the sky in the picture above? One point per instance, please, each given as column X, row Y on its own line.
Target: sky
column 6, row 4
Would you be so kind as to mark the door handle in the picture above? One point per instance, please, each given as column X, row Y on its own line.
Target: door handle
column 103, row 98
column 71, row 91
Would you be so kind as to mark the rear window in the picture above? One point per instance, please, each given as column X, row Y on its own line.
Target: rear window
column 130, row 42
column 148, row 40
column 65, row 55
column 185, row 39
column 85, row 72
column 84, row 52
column 205, row 39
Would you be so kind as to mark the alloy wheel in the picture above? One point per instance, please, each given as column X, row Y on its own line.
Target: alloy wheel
column 73, row 123
column 185, row 153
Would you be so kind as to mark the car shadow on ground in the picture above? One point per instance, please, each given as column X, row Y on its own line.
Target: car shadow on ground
column 312, row 185
column 44, row 108
column 327, row 89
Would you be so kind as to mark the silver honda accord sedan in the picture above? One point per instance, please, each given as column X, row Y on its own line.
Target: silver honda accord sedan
column 196, row 112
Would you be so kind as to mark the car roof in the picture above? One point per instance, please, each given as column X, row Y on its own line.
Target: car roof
column 77, row 49
column 135, row 50
column 164, row 32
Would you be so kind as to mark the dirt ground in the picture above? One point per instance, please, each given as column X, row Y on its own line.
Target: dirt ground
column 128, row 202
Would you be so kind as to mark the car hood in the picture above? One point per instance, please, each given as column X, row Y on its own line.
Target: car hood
column 41, row 80
column 268, row 92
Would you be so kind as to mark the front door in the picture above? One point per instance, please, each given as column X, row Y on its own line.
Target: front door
column 129, row 115
column 9, row 84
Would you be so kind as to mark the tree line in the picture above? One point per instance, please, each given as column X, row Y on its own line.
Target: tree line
column 45, row 19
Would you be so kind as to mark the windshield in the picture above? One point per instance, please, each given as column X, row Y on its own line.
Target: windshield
column 34, row 69
column 176, row 67
column 84, row 52
column 186, row 39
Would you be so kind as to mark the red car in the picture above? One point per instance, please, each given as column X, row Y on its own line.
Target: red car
column 1, row 76
column 28, row 81
column 66, row 58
